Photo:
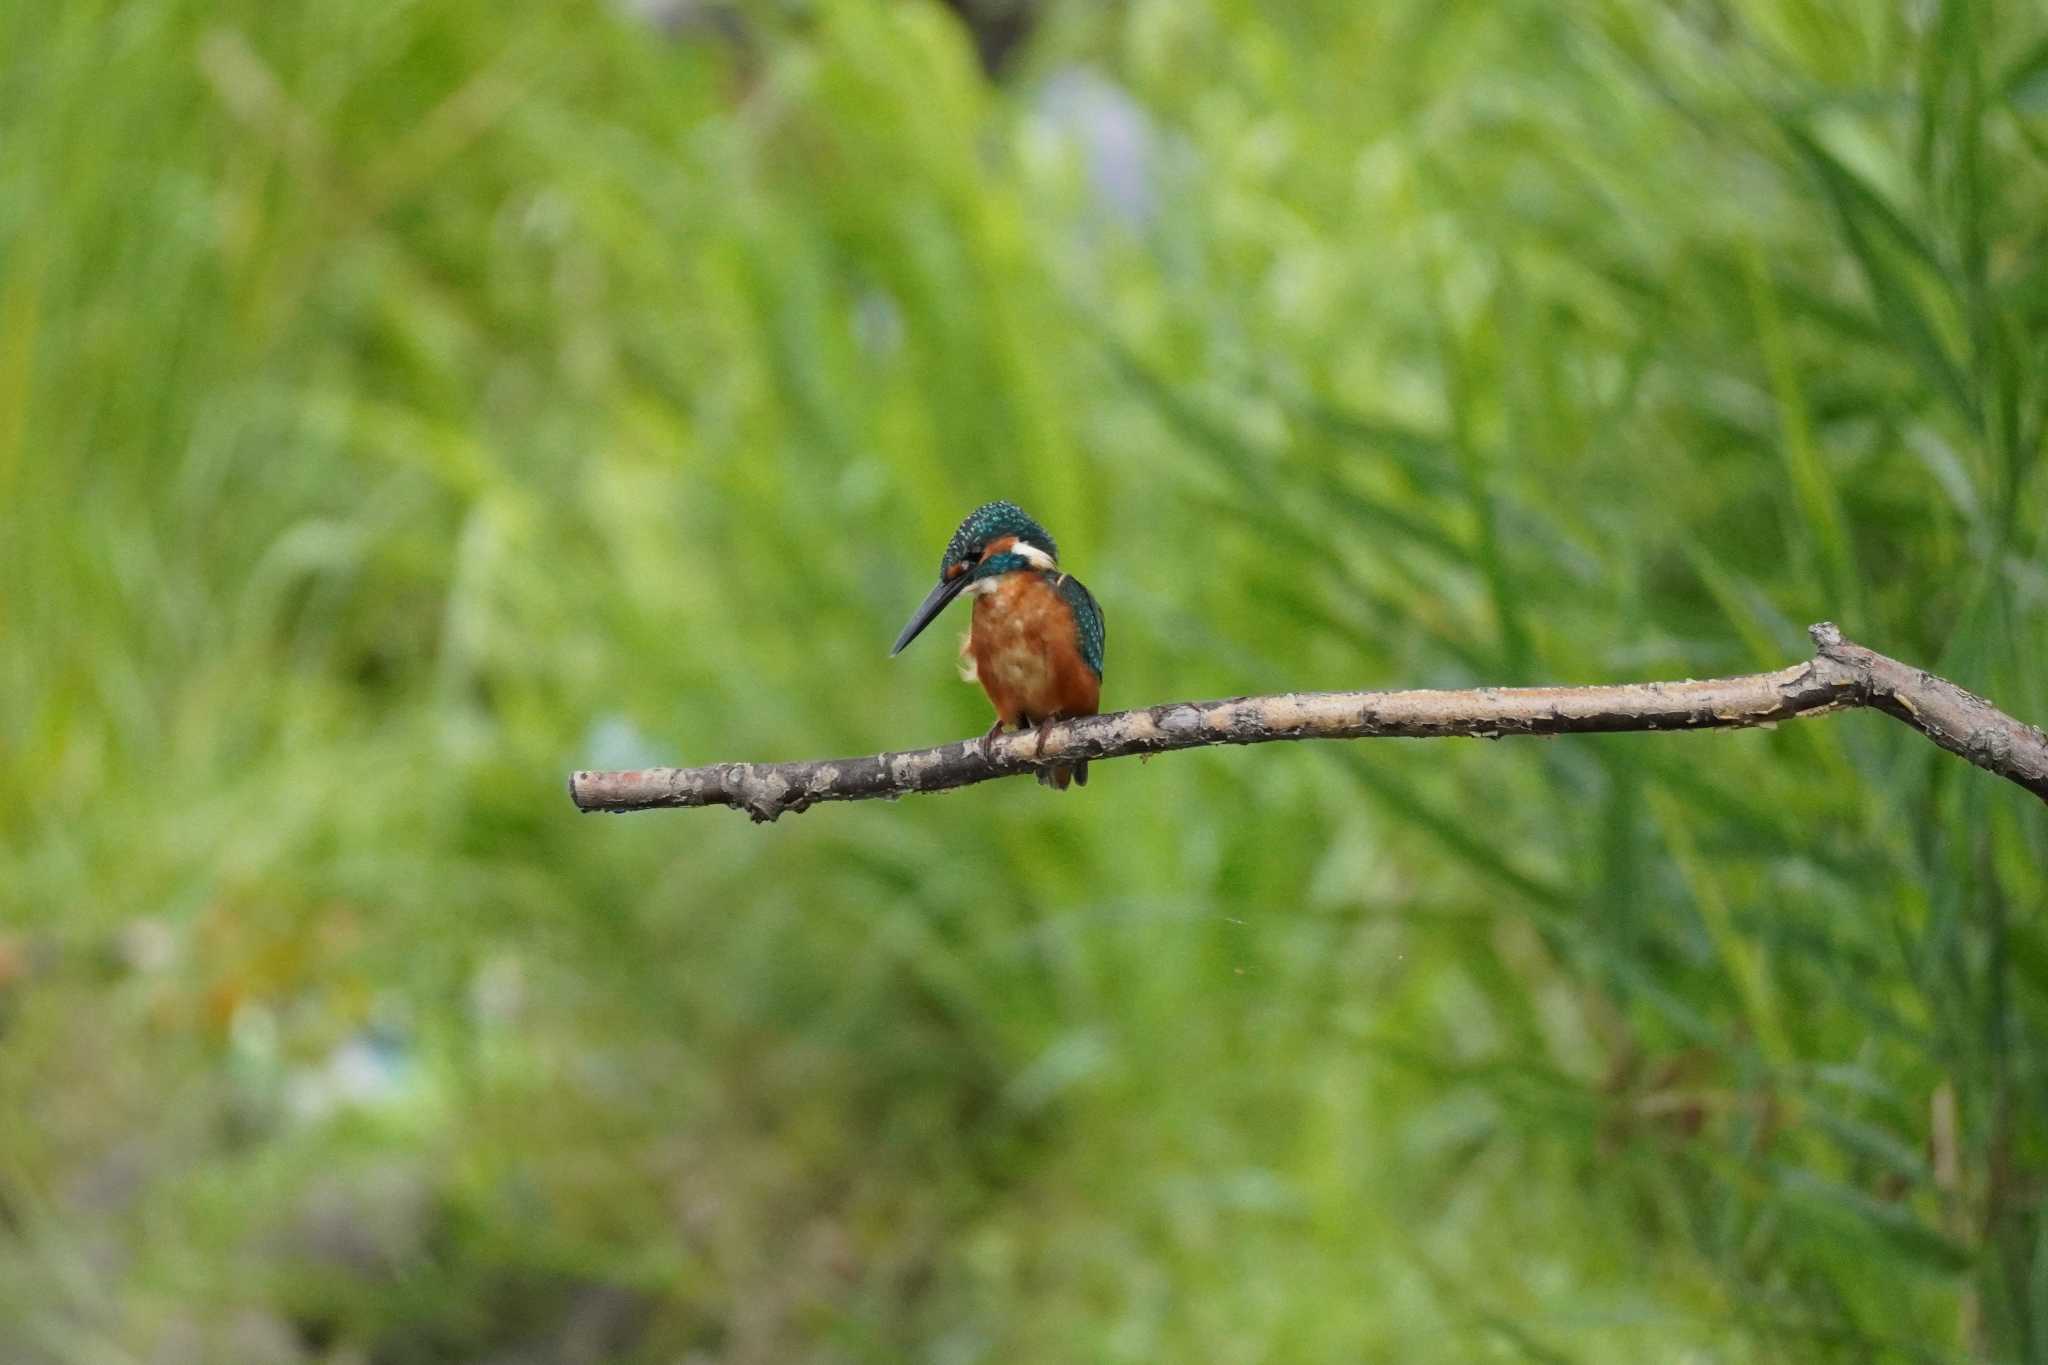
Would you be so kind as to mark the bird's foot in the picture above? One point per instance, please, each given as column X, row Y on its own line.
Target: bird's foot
column 1044, row 728
column 982, row 745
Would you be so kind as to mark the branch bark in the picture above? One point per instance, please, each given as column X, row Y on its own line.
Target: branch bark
column 1841, row 675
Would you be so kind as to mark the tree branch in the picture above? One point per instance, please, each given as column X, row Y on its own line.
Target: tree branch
column 1839, row 676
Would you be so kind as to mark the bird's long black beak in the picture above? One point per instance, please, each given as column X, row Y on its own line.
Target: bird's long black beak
column 946, row 591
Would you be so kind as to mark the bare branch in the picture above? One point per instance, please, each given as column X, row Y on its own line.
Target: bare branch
column 1840, row 675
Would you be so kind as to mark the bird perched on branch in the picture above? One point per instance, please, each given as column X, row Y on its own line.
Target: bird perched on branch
column 1036, row 641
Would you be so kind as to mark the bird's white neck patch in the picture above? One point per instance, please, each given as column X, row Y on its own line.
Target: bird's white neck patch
column 1024, row 550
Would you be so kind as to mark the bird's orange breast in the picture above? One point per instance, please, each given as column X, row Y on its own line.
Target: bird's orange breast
column 1027, row 654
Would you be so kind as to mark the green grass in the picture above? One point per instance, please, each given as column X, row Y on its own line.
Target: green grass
column 402, row 404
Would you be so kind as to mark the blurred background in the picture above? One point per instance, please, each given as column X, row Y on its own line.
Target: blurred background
column 403, row 402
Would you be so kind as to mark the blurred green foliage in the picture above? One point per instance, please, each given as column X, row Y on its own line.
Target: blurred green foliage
column 402, row 403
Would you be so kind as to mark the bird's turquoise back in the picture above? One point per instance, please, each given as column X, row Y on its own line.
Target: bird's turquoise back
column 1087, row 618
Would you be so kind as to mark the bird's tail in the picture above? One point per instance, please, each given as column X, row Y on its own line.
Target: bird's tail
column 1058, row 775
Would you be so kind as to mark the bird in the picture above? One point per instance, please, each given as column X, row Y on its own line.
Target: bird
column 1035, row 644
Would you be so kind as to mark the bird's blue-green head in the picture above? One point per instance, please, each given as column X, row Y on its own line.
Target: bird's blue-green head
column 995, row 539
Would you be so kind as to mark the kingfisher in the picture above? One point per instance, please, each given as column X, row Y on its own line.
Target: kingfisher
column 1035, row 644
